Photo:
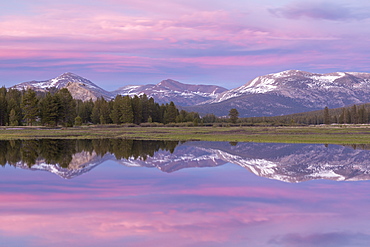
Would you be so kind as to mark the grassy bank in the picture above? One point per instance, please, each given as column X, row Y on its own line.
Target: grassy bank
column 309, row 134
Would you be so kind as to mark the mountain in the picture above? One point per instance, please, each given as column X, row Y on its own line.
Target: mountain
column 291, row 91
column 283, row 93
column 164, row 92
column 169, row 90
column 79, row 87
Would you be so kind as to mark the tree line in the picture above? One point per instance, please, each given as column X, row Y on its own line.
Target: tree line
column 57, row 107
column 355, row 114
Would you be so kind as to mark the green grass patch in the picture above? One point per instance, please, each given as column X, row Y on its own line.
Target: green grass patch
column 310, row 134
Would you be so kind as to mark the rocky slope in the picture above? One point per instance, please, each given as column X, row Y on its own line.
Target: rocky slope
column 170, row 90
column 79, row 87
column 291, row 91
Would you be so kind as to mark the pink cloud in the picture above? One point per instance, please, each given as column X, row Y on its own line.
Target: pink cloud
column 143, row 38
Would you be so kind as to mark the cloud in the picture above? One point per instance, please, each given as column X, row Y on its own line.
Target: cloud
column 318, row 10
column 331, row 239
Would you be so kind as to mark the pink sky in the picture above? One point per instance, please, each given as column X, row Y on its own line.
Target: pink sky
column 120, row 42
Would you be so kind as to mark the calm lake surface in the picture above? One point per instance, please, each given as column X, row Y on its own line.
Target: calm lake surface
column 141, row 193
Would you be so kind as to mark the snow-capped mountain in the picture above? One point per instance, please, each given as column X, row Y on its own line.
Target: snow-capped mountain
column 169, row 90
column 287, row 92
column 164, row 92
column 290, row 92
column 79, row 87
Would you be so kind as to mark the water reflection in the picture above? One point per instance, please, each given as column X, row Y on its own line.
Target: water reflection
column 285, row 162
column 118, row 205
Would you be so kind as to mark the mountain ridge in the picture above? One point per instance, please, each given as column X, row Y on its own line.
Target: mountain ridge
column 292, row 91
column 282, row 93
column 170, row 90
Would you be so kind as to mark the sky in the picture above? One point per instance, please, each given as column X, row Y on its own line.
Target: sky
column 227, row 43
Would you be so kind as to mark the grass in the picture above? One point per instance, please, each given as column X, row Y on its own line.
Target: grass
column 311, row 134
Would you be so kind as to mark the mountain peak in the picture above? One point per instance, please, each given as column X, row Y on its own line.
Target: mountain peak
column 79, row 87
column 70, row 76
column 68, row 73
column 292, row 91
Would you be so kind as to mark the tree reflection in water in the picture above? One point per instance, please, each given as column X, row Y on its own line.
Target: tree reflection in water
column 57, row 151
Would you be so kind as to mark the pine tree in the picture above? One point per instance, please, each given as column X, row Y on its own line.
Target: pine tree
column 326, row 116
column 13, row 118
column 84, row 110
column 362, row 115
column 127, row 115
column 354, row 114
column 137, row 109
column 347, row 117
column 170, row 113
column 78, row 121
column 67, row 110
column 342, row 116
column 14, row 98
column 144, row 108
column 3, row 107
column 50, row 110
column 30, row 107
column 233, row 115
column 116, row 112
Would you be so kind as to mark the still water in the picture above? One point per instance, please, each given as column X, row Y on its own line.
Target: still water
column 141, row 193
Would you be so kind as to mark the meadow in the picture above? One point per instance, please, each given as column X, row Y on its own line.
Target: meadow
column 326, row 134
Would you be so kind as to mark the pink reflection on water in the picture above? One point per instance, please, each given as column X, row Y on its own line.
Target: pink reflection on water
column 164, row 211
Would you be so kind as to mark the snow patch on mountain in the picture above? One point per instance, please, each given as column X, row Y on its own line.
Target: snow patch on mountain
column 170, row 90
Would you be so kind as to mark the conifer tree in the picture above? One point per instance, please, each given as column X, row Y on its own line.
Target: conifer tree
column 127, row 114
column 116, row 112
column 170, row 113
column 354, row 114
column 144, row 108
column 67, row 107
column 13, row 118
column 3, row 107
column 30, row 106
column 233, row 115
column 326, row 116
column 50, row 110
column 137, row 109
column 14, row 98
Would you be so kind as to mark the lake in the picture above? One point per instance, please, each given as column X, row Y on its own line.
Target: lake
column 144, row 193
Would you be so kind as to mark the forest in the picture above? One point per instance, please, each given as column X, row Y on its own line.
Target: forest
column 57, row 107
column 355, row 114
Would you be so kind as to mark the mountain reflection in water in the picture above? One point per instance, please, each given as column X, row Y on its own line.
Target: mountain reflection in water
column 285, row 162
